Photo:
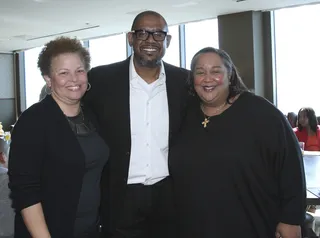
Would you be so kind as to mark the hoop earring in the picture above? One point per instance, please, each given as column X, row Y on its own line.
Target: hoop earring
column 46, row 90
column 89, row 86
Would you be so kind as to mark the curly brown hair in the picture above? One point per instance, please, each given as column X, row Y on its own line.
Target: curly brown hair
column 61, row 45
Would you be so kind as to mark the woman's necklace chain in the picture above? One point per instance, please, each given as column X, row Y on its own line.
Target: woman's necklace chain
column 207, row 118
column 79, row 114
column 79, row 127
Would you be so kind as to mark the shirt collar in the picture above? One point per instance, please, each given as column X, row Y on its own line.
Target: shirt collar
column 135, row 75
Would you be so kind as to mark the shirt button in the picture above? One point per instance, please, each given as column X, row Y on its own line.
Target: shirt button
column 127, row 153
column 147, row 123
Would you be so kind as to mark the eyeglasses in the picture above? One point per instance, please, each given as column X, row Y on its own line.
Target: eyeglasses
column 144, row 34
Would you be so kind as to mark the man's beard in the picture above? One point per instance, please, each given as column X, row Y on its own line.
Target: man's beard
column 149, row 63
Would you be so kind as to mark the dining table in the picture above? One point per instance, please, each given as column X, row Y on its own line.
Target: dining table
column 311, row 161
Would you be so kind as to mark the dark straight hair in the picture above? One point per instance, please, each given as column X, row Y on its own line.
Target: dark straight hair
column 312, row 118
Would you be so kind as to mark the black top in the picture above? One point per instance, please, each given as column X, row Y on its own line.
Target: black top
column 96, row 153
column 109, row 99
column 46, row 165
column 240, row 176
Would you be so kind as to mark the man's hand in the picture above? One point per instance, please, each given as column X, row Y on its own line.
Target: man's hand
column 287, row 231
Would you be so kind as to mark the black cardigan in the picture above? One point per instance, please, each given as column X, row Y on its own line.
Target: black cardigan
column 46, row 165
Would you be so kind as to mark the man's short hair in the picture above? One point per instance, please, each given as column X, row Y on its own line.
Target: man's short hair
column 147, row 13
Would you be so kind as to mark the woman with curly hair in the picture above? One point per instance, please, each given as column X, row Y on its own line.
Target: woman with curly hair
column 56, row 154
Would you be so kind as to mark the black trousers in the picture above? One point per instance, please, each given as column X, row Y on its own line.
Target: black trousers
column 92, row 232
column 149, row 212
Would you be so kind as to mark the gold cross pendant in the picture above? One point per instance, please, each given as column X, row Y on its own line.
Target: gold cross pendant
column 205, row 122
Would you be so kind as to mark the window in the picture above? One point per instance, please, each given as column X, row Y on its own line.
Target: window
column 33, row 78
column 172, row 55
column 199, row 35
column 297, row 58
column 108, row 50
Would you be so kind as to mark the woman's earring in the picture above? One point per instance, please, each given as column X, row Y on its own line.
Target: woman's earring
column 46, row 90
column 89, row 87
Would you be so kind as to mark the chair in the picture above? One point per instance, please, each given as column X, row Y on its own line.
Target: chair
column 307, row 229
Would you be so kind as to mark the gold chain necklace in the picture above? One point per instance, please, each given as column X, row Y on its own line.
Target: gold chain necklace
column 206, row 118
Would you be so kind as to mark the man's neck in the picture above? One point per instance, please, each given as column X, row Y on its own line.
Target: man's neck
column 147, row 74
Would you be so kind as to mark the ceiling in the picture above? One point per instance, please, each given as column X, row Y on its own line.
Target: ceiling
column 29, row 23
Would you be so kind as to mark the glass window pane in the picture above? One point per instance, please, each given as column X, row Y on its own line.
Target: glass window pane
column 108, row 50
column 297, row 51
column 172, row 55
column 33, row 79
column 199, row 35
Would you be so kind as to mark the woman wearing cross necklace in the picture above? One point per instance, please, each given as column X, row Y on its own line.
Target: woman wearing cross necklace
column 56, row 154
column 237, row 166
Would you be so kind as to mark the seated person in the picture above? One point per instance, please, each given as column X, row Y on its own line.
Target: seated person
column 308, row 130
column 292, row 119
column 6, row 212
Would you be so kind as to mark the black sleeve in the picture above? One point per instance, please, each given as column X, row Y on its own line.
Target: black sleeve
column 288, row 170
column 26, row 159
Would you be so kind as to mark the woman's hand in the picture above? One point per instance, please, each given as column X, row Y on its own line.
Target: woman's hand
column 288, row 231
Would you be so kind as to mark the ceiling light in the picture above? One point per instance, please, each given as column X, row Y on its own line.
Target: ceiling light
column 41, row 1
column 186, row 4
